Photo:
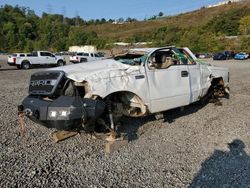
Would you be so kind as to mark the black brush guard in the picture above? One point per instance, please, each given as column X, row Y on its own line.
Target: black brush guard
column 63, row 112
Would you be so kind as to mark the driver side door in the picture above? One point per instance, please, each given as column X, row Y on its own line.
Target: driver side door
column 168, row 87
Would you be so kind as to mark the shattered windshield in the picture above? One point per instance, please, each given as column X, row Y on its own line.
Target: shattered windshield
column 131, row 59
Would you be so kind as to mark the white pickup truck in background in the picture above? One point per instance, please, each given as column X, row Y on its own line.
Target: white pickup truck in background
column 37, row 58
column 81, row 57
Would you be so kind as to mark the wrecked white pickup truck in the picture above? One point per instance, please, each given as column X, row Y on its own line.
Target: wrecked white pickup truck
column 137, row 83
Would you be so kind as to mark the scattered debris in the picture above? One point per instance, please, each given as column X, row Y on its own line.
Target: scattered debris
column 58, row 136
column 159, row 116
column 114, row 141
column 114, row 144
column 218, row 103
column 21, row 120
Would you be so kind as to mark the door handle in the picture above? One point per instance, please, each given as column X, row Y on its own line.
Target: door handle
column 184, row 73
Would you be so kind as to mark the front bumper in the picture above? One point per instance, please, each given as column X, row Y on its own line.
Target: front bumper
column 63, row 113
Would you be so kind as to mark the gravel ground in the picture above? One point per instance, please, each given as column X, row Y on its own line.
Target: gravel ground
column 188, row 149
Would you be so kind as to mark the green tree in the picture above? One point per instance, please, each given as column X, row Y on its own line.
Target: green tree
column 10, row 35
column 245, row 43
column 244, row 27
column 77, row 36
column 227, row 22
column 160, row 14
column 52, row 32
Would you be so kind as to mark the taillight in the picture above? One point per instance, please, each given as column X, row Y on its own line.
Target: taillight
column 14, row 60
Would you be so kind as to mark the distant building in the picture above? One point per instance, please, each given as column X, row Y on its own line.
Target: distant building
column 86, row 48
column 119, row 23
column 231, row 37
column 224, row 3
column 133, row 44
column 142, row 43
column 122, row 44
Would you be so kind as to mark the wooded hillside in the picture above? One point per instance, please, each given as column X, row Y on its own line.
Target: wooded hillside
column 203, row 30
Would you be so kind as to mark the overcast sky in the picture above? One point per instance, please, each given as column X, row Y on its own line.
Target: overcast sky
column 114, row 9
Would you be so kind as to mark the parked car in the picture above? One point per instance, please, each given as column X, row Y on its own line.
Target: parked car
column 224, row 55
column 229, row 54
column 134, row 84
column 220, row 56
column 27, row 60
column 85, row 57
column 203, row 55
column 241, row 56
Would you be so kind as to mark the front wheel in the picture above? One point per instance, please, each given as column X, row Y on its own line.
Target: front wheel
column 83, row 60
column 60, row 63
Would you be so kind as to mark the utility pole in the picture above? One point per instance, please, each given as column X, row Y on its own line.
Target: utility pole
column 64, row 14
column 77, row 18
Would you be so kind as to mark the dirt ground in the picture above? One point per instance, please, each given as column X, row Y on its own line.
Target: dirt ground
column 202, row 146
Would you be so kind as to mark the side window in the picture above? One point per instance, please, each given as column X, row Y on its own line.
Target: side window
column 86, row 54
column 42, row 53
column 96, row 55
column 22, row 55
column 92, row 55
column 47, row 54
column 187, row 59
column 163, row 60
column 80, row 54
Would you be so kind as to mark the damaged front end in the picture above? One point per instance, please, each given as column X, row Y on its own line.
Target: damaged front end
column 57, row 102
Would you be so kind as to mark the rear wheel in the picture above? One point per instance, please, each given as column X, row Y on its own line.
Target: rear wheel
column 26, row 65
column 60, row 63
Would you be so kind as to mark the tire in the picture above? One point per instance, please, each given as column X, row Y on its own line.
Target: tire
column 26, row 65
column 60, row 63
column 83, row 60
